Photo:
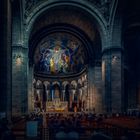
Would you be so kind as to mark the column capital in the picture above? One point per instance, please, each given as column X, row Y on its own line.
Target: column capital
column 112, row 50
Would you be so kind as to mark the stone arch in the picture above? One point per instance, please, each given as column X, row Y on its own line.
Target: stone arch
column 34, row 82
column 80, row 82
column 84, row 79
column 66, row 90
column 93, row 12
column 80, row 4
column 39, row 84
column 55, row 82
column 115, row 27
column 46, row 84
column 74, row 84
column 83, row 5
column 64, row 84
column 56, row 88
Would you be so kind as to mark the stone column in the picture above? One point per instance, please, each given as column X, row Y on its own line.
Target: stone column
column 80, row 93
column 90, row 88
column 72, row 92
column 63, row 95
column 30, row 89
column 70, row 99
column 85, row 98
column 38, row 94
column 117, row 81
column 42, row 101
column 47, row 98
column 20, row 63
column 5, row 58
column 51, row 93
column 112, row 78
column 40, row 98
column 106, row 79
column 79, row 96
column 82, row 97
column 47, row 95
column 97, row 89
column 19, row 81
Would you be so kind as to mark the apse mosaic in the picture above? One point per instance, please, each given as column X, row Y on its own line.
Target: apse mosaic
column 59, row 53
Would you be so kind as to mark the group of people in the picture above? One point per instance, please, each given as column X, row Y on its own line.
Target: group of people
column 80, row 123
column 66, row 125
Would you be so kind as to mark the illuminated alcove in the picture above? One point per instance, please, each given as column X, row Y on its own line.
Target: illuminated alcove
column 60, row 72
column 63, row 56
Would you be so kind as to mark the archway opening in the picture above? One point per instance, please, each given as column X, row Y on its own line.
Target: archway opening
column 65, row 52
column 61, row 58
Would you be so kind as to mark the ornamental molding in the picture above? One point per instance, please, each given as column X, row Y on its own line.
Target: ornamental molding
column 104, row 6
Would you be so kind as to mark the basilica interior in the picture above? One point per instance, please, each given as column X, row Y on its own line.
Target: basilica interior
column 66, row 59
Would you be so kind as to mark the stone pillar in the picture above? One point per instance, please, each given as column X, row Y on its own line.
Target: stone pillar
column 116, row 79
column 90, row 88
column 19, row 81
column 79, row 97
column 5, row 57
column 112, row 79
column 47, row 95
column 51, row 93
column 80, row 94
column 85, row 98
column 114, row 44
column 63, row 95
column 97, row 90
column 30, row 89
column 70, row 100
column 106, row 79
column 41, row 95
column 72, row 92
column 77, row 101
column 20, row 63
column 38, row 94
column 84, row 101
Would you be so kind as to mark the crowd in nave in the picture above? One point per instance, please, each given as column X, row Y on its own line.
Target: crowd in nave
column 76, row 126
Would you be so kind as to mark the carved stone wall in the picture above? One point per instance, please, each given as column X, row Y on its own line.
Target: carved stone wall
column 19, row 81
column 104, row 6
column 99, row 21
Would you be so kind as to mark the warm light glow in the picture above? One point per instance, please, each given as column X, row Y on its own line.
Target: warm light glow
column 115, row 59
column 37, row 91
column 103, row 70
column 18, row 61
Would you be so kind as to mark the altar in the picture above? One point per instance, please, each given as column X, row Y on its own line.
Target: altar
column 57, row 106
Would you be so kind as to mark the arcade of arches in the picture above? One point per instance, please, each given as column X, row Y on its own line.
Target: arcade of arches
column 66, row 56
